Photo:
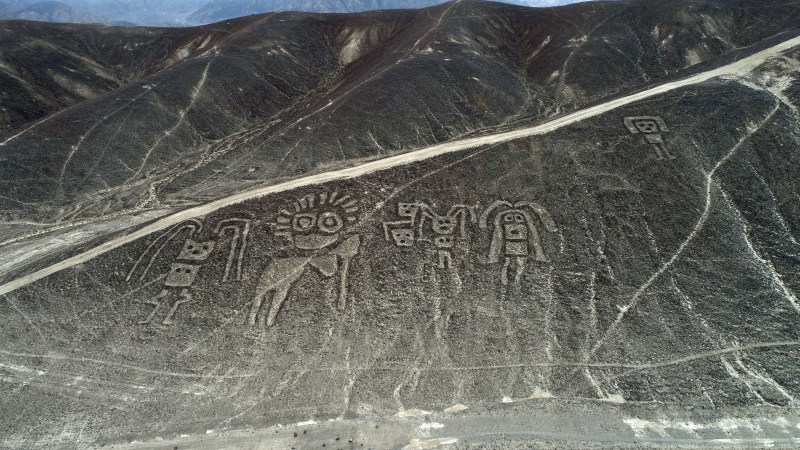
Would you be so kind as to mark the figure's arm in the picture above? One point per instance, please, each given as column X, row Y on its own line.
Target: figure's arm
column 483, row 222
column 544, row 216
column 460, row 212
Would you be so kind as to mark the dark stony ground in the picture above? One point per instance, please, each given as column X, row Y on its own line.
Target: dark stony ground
column 175, row 117
column 662, row 283
column 588, row 287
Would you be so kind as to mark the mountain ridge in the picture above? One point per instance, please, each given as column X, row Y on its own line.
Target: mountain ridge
column 52, row 11
column 217, row 10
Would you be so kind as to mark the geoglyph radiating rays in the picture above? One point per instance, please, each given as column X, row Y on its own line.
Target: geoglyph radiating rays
column 325, row 213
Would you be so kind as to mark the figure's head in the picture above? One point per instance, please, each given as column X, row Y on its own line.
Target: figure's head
column 513, row 216
column 196, row 251
column 513, row 222
column 403, row 237
column 407, row 209
column 646, row 126
column 317, row 221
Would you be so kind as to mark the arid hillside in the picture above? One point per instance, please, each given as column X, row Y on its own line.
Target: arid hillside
column 464, row 227
column 108, row 120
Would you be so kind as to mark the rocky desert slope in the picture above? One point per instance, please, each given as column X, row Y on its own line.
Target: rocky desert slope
column 144, row 117
column 440, row 222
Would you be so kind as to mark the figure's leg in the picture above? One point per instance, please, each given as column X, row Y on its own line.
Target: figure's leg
column 279, row 276
column 667, row 152
column 277, row 301
column 156, row 304
column 504, row 272
column 347, row 250
column 343, row 285
column 658, row 144
column 445, row 259
column 657, row 148
column 186, row 298
column 256, row 306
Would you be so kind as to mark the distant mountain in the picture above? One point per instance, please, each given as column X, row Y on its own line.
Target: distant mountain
column 12, row 6
column 59, row 12
column 142, row 12
column 217, row 10
column 200, row 12
column 121, row 12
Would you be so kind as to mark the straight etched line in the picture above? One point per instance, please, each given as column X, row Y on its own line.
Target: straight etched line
column 125, row 366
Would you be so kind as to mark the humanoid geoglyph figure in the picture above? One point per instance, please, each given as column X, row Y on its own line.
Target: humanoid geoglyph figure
column 515, row 235
column 421, row 223
column 194, row 253
column 651, row 127
column 317, row 229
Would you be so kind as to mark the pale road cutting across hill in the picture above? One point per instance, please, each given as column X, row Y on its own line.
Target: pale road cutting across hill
column 740, row 67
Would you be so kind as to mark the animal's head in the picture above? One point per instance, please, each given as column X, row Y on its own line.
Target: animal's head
column 446, row 224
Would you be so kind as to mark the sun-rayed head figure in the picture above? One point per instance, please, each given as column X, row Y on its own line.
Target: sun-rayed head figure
column 317, row 221
column 515, row 233
column 313, row 222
